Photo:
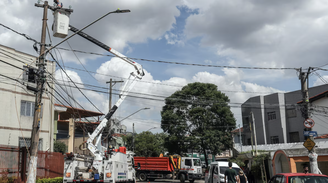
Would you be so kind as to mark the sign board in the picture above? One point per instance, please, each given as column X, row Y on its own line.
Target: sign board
column 308, row 123
column 309, row 144
column 310, row 133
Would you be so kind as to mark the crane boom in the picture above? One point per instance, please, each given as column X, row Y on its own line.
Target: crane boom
column 97, row 149
column 137, row 66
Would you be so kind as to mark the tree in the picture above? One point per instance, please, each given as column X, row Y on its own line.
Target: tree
column 128, row 141
column 60, row 147
column 148, row 144
column 198, row 116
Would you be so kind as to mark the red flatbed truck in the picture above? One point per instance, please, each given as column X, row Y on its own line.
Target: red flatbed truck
column 151, row 168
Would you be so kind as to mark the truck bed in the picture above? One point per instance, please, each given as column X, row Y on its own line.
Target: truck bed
column 154, row 163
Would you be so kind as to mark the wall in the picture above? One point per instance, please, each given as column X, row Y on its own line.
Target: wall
column 283, row 124
column 320, row 118
column 12, row 124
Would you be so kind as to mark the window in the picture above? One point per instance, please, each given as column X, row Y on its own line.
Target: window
column 271, row 115
column 274, row 140
column 196, row 162
column 215, row 171
column 26, row 142
column 27, row 108
column 294, row 137
column 291, row 113
column 188, row 162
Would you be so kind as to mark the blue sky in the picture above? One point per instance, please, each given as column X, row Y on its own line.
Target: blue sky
column 237, row 33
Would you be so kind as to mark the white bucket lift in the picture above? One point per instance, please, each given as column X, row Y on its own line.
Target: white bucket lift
column 61, row 23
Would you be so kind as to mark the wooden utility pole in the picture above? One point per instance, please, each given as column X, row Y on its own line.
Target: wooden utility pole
column 38, row 103
column 304, row 77
column 111, row 84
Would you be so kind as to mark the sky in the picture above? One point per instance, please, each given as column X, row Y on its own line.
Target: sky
column 240, row 34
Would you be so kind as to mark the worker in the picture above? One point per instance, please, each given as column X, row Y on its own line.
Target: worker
column 231, row 175
column 242, row 177
column 306, row 169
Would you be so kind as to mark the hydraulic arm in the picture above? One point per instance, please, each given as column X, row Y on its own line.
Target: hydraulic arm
column 97, row 150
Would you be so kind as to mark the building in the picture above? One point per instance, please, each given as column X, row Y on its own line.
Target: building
column 274, row 124
column 72, row 126
column 278, row 117
column 17, row 102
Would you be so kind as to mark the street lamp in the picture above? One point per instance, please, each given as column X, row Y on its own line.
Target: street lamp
column 135, row 112
column 151, row 128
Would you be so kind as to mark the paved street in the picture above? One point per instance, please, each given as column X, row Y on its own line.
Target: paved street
column 173, row 181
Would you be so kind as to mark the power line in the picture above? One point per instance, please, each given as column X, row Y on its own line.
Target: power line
column 26, row 36
column 73, row 82
column 182, row 63
column 180, row 86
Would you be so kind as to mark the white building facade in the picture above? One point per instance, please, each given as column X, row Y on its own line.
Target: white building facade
column 17, row 103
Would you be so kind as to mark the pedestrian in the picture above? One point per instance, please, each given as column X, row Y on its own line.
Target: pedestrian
column 231, row 175
column 242, row 177
column 305, row 169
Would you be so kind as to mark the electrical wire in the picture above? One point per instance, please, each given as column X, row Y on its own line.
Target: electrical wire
column 189, row 64
column 74, row 83
column 180, row 86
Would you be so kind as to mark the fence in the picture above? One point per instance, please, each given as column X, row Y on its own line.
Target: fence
column 14, row 164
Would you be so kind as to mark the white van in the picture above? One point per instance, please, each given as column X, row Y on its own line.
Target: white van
column 215, row 173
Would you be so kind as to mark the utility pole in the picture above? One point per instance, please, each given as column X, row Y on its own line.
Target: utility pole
column 241, row 143
column 38, row 103
column 133, row 137
column 253, row 120
column 304, row 77
column 111, row 84
column 41, row 78
column 250, row 128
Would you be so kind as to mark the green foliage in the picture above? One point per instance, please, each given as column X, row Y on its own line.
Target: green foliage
column 50, row 180
column 60, row 147
column 238, row 160
column 128, row 141
column 5, row 178
column 257, row 165
column 198, row 117
column 148, row 144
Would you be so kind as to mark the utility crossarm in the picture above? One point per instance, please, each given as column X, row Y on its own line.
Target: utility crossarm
column 97, row 150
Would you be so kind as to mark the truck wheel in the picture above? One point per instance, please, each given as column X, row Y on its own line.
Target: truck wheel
column 142, row 177
column 191, row 181
column 182, row 178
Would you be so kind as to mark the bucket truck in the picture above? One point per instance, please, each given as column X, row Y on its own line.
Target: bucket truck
column 105, row 164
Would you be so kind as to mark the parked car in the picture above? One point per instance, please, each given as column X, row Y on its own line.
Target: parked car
column 299, row 178
column 215, row 173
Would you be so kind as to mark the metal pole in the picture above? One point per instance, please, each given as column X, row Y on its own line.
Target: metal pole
column 241, row 143
column 38, row 99
column 133, row 137
column 253, row 119
column 250, row 128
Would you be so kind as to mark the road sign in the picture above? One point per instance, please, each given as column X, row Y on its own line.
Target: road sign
column 309, row 144
column 310, row 133
column 308, row 123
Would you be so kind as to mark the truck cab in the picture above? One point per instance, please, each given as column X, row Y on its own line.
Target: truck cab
column 192, row 167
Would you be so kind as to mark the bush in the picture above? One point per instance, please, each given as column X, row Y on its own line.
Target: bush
column 50, row 180
column 59, row 147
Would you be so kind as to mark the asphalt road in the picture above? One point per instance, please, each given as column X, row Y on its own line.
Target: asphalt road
column 170, row 180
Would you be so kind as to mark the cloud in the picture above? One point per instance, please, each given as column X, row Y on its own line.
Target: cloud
column 147, row 20
column 263, row 33
column 321, row 81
